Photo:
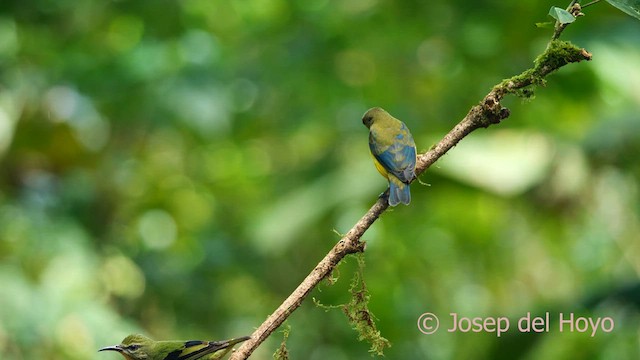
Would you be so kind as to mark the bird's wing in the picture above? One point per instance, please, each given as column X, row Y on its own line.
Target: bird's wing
column 399, row 158
column 194, row 349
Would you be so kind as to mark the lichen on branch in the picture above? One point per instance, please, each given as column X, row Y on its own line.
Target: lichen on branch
column 359, row 315
column 557, row 54
column 357, row 311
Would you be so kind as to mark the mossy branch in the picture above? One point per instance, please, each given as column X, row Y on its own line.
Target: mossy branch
column 488, row 112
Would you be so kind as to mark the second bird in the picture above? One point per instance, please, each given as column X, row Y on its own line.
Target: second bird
column 393, row 151
column 139, row 347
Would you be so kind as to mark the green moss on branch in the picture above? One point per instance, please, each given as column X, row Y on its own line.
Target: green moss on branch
column 558, row 54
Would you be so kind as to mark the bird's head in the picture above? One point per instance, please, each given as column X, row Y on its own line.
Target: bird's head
column 133, row 347
column 372, row 115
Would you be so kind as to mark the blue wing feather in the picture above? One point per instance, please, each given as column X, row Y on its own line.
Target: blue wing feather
column 398, row 159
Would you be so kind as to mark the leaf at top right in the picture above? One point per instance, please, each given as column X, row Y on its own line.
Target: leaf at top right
column 631, row 7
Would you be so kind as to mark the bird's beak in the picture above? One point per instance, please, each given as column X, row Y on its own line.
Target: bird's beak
column 112, row 348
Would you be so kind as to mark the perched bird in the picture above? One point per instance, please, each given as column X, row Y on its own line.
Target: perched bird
column 394, row 152
column 139, row 347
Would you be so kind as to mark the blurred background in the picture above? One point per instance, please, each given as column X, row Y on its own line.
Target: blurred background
column 176, row 168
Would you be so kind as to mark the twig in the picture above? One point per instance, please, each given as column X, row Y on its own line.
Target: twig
column 574, row 9
column 590, row 3
column 489, row 111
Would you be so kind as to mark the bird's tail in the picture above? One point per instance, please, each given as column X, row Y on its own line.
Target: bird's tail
column 398, row 192
column 219, row 349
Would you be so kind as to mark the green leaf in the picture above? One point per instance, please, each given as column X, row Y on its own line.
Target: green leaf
column 631, row 7
column 562, row 15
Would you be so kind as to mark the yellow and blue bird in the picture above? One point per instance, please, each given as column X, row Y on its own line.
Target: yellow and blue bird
column 393, row 151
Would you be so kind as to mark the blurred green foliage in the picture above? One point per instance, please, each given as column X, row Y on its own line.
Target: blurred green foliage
column 177, row 167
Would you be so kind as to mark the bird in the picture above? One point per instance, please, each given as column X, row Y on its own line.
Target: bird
column 140, row 347
column 393, row 151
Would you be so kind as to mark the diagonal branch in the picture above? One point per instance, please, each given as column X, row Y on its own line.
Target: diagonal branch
column 489, row 111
